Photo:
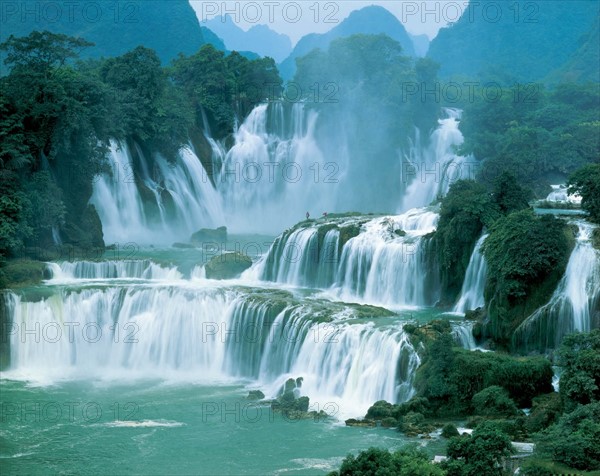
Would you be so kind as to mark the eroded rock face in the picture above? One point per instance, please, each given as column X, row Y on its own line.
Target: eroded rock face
column 227, row 266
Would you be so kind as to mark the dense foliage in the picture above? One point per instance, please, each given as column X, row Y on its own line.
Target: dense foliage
column 225, row 86
column 378, row 462
column 579, row 357
column 526, row 257
column 460, row 382
column 480, row 454
column 538, row 135
column 57, row 118
column 574, row 439
column 465, row 211
column 586, row 182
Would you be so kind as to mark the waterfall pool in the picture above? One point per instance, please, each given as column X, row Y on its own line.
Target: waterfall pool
column 167, row 427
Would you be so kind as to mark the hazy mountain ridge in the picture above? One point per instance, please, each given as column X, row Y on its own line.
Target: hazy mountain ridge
column 169, row 28
column 584, row 64
column 529, row 49
column 260, row 38
column 369, row 20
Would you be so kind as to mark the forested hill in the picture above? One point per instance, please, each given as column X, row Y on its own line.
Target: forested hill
column 528, row 39
column 168, row 27
column 584, row 64
column 370, row 20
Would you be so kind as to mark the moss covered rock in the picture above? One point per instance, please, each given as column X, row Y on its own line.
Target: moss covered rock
column 450, row 431
column 209, row 235
column 23, row 272
column 361, row 423
column 227, row 266
column 596, row 238
column 255, row 395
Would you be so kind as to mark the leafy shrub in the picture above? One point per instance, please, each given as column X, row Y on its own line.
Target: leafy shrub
column 579, row 356
column 479, row 454
column 449, row 431
column 374, row 461
column 494, row 401
column 574, row 439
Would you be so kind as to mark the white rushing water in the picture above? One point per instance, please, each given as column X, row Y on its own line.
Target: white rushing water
column 390, row 263
column 274, row 173
column 101, row 270
column 560, row 194
column 463, row 333
column 379, row 267
column 275, row 170
column 204, row 332
column 179, row 198
column 431, row 170
column 471, row 294
column 574, row 303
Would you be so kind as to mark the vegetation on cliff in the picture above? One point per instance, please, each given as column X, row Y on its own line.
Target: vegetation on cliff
column 58, row 117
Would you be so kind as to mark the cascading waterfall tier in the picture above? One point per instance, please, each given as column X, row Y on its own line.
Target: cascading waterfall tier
column 273, row 174
column 102, row 270
column 206, row 331
column 463, row 334
column 431, row 170
column 162, row 205
column 560, row 194
column 386, row 260
column 471, row 294
column 275, row 170
column 574, row 306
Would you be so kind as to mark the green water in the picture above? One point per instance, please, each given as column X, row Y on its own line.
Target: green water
column 116, row 425
column 88, row 428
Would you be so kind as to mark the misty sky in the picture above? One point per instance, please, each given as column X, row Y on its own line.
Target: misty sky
column 418, row 16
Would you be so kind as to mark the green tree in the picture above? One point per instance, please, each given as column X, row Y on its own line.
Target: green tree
column 574, row 439
column 407, row 461
column 509, row 195
column 579, row 357
column 522, row 250
column 42, row 52
column 492, row 401
column 465, row 211
column 586, row 182
column 480, row 454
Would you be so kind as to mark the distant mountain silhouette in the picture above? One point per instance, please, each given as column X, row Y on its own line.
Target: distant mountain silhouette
column 368, row 20
column 584, row 64
column 169, row 27
column 545, row 37
column 259, row 39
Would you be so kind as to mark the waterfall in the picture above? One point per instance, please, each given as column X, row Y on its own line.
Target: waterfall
column 164, row 205
column 431, row 170
column 275, row 170
column 575, row 304
column 471, row 294
column 560, row 194
column 463, row 334
column 125, row 269
column 203, row 331
column 388, row 262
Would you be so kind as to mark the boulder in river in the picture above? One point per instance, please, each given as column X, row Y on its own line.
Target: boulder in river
column 209, row 235
column 227, row 266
